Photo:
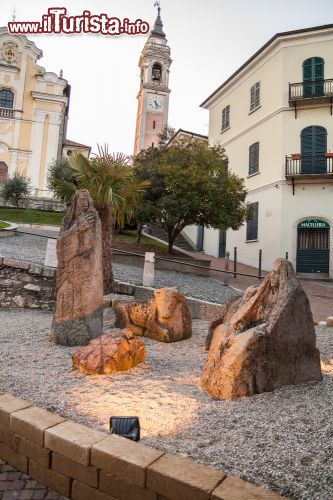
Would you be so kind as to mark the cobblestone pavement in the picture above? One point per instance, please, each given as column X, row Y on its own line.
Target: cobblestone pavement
column 16, row 485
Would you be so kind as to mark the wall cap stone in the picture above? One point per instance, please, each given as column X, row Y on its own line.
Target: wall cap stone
column 9, row 404
column 32, row 422
column 178, row 478
column 18, row 264
column 73, row 440
column 124, row 458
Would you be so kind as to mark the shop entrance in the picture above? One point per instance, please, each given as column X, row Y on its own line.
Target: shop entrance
column 313, row 251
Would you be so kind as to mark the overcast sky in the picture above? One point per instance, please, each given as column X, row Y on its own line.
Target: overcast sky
column 209, row 40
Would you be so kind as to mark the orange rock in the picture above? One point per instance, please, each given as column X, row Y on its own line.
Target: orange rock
column 108, row 354
column 264, row 340
column 166, row 318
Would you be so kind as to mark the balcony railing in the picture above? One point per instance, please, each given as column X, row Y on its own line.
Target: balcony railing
column 6, row 113
column 310, row 90
column 309, row 165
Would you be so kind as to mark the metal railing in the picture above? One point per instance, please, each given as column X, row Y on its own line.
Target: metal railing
column 225, row 270
column 6, row 113
column 310, row 89
column 309, row 164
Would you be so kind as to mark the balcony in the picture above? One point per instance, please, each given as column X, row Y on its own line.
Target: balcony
column 310, row 92
column 6, row 113
column 309, row 167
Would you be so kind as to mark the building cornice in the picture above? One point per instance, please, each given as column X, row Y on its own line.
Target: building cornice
column 267, row 47
column 43, row 97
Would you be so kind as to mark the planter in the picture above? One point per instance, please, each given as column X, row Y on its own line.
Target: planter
column 296, row 156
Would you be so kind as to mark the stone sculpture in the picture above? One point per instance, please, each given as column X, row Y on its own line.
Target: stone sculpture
column 78, row 315
column 166, row 318
column 108, row 354
column 264, row 340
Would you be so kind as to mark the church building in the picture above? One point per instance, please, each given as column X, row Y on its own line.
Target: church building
column 153, row 96
column 34, row 108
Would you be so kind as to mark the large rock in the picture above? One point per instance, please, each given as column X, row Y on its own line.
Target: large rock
column 264, row 340
column 166, row 318
column 78, row 316
column 108, row 354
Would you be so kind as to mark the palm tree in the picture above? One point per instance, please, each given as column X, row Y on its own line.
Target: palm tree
column 110, row 180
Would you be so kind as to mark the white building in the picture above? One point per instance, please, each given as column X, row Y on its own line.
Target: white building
column 274, row 118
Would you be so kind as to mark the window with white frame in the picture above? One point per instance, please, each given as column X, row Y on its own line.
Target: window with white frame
column 225, row 118
column 254, row 158
column 255, row 96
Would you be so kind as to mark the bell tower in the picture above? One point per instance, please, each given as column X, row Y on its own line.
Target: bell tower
column 153, row 96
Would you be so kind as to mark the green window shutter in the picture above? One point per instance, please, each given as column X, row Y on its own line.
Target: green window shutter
column 252, row 222
column 313, row 149
column 313, row 140
column 254, row 158
column 313, row 71
column 318, row 68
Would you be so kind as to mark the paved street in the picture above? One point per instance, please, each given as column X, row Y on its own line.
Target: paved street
column 16, row 485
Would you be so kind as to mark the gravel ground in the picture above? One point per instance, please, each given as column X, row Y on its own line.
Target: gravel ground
column 32, row 248
column 282, row 440
column 23, row 247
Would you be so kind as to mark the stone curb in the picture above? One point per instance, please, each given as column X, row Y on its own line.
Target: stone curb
column 200, row 309
column 11, row 226
column 82, row 463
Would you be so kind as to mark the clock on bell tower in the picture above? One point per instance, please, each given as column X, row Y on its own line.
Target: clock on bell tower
column 153, row 96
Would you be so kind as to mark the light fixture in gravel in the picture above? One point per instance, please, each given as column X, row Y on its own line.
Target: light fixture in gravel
column 127, row 427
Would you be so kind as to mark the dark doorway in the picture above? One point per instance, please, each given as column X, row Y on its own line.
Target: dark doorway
column 222, row 243
column 200, row 238
column 313, row 247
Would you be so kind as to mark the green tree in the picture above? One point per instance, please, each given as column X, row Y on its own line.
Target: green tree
column 16, row 189
column 165, row 136
column 110, row 180
column 61, row 170
column 190, row 184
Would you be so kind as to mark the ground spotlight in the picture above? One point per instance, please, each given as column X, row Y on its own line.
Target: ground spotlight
column 127, row 427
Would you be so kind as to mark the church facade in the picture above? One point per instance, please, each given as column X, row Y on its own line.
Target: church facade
column 34, row 107
column 153, row 96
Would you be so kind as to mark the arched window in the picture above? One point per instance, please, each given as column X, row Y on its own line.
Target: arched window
column 313, row 149
column 313, row 77
column 156, row 73
column 6, row 99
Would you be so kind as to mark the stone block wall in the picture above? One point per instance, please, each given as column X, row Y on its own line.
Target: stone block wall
column 84, row 464
column 24, row 284
column 37, row 203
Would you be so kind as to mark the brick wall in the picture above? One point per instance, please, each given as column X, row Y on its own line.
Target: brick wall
column 23, row 284
column 85, row 464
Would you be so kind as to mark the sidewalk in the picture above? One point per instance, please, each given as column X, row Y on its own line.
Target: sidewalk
column 320, row 294
column 16, row 485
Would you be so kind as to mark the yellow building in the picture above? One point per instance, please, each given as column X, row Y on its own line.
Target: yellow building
column 34, row 107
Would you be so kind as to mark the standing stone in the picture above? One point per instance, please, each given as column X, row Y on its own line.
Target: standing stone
column 78, row 316
column 263, row 341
